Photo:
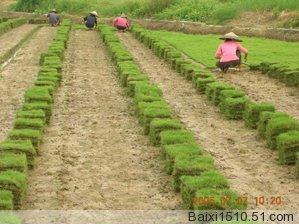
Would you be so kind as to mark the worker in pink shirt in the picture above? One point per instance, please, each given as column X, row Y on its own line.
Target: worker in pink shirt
column 229, row 52
column 121, row 23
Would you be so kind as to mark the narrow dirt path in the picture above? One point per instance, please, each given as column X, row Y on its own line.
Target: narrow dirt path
column 250, row 167
column 262, row 88
column 94, row 154
column 13, row 37
column 19, row 75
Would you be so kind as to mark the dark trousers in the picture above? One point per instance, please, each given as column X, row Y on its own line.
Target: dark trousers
column 224, row 66
column 121, row 27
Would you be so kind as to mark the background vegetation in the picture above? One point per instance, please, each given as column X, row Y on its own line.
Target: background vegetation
column 210, row 11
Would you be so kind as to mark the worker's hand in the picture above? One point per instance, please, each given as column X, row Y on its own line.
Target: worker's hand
column 245, row 58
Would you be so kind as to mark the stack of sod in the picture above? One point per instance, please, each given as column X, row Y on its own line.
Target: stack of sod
column 214, row 89
column 288, row 146
column 184, row 157
column 253, row 111
column 202, row 82
column 10, row 24
column 208, row 179
column 297, row 164
column 232, row 103
column 19, row 151
column 264, row 118
column 277, row 126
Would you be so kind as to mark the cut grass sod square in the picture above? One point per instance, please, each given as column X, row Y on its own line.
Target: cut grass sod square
column 40, row 94
column 131, row 86
column 32, row 114
column 170, row 152
column 15, row 182
column 201, row 83
column 154, row 112
column 233, row 108
column 6, row 200
column 9, row 218
column 190, row 184
column 141, row 106
column 288, row 145
column 26, row 134
column 170, row 137
column 29, row 123
column 217, row 199
column 297, row 165
column 47, row 108
column 19, row 147
column 213, row 90
column 191, row 165
column 253, row 111
column 11, row 161
column 230, row 93
column 158, row 125
column 277, row 126
column 264, row 119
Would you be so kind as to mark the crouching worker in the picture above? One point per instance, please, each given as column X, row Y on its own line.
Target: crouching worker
column 53, row 18
column 229, row 52
column 121, row 23
column 91, row 20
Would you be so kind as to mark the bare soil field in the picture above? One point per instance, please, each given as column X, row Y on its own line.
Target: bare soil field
column 19, row 75
column 94, row 150
column 251, row 168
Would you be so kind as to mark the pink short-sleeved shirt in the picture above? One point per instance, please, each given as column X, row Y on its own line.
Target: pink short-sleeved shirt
column 121, row 22
column 227, row 51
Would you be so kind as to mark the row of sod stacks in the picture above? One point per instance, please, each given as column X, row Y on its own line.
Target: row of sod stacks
column 193, row 170
column 286, row 75
column 232, row 102
column 10, row 24
column 17, row 153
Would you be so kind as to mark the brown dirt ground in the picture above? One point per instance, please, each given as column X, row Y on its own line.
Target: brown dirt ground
column 94, row 154
column 251, row 168
column 4, row 4
column 19, row 75
column 13, row 37
column 260, row 87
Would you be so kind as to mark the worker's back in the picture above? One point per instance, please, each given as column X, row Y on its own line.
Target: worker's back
column 53, row 18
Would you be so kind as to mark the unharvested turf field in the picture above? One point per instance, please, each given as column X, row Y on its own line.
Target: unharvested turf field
column 119, row 128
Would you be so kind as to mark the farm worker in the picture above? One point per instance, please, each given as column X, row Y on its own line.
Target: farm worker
column 53, row 18
column 229, row 52
column 121, row 23
column 91, row 20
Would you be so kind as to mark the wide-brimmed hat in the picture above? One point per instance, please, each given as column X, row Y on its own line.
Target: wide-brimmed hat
column 232, row 36
column 94, row 13
column 123, row 15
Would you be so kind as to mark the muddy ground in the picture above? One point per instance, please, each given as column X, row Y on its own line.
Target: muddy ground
column 249, row 165
column 94, row 154
column 20, row 74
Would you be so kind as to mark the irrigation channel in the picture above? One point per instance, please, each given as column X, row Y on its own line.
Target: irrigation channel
column 94, row 153
column 20, row 73
column 249, row 165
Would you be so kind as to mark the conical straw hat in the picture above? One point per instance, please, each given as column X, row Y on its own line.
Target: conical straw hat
column 231, row 35
column 94, row 13
column 54, row 10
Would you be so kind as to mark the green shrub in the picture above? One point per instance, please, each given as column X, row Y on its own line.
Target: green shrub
column 19, row 147
column 15, row 182
column 288, row 146
column 29, row 123
column 277, row 126
column 191, row 165
column 214, row 89
column 11, row 161
column 220, row 199
column 170, row 152
column 264, row 119
column 6, row 200
column 233, row 108
column 190, row 184
column 170, row 137
column 158, row 125
column 26, row 134
column 253, row 111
